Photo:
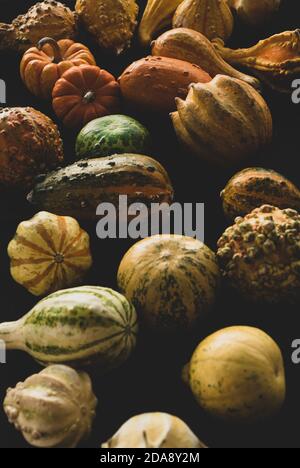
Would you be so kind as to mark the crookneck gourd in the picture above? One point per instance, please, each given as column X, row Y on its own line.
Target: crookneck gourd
column 171, row 280
column 157, row 16
column 111, row 22
column 254, row 187
column 49, row 253
column 47, row 18
column 260, row 257
column 52, row 409
column 43, row 65
column 30, row 144
column 154, row 430
column 78, row 327
column 212, row 18
column 255, row 12
column 223, row 122
column 237, row 374
column 192, row 46
column 275, row 60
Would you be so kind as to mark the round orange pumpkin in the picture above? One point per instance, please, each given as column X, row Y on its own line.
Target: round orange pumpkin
column 43, row 65
column 84, row 93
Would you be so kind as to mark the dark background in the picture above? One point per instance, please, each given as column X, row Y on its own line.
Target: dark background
column 151, row 381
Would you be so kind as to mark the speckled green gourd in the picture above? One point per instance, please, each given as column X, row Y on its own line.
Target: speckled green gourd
column 76, row 326
column 113, row 134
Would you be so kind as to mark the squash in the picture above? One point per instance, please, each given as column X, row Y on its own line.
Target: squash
column 237, row 374
column 171, row 280
column 255, row 12
column 157, row 16
column 30, row 144
column 152, row 84
column 77, row 327
column 154, row 430
column 224, row 122
column 114, row 134
column 191, row 46
column 254, row 187
column 77, row 190
column 49, row 253
column 111, row 22
column 43, row 65
column 46, row 18
column 84, row 93
column 52, row 409
column 212, row 18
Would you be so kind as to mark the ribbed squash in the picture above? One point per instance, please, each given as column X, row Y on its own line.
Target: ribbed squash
column 78, row 327
column 171, row 280
column 49, row 253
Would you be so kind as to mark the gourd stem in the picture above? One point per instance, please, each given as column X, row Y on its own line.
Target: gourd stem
column 10, row 334
column 89, row 97
column 55, row 47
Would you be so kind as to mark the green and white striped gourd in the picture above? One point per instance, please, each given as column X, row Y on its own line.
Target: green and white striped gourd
column 78, row 327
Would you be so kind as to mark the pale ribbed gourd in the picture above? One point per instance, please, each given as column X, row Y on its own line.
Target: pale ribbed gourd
column 52, row 409
column 154, row 430
column 79, row 326
column 255, row 12
column 49, row 253
column 212, row 18
column 223, row 122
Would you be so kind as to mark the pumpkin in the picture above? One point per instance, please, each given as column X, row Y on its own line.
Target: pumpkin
column 171, row 280
column 152, row 84
column 113, row 134
column 49, row 253
column 224, row 122
column 84, row 93
column 52, row 409
column 77, row 190
column 43, row 65
column 237, row 374
column 77, row 327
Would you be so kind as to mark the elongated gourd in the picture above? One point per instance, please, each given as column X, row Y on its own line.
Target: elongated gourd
column 76, row 326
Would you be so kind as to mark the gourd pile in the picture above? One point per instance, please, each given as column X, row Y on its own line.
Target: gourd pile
column 168, row 285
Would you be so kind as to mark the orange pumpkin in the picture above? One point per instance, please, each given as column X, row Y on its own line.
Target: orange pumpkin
column 43, row 65
column 85, row 93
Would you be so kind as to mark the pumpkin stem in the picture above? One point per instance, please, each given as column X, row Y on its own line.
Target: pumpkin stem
column 57, row 57
column 89, row 97
column 10, row 334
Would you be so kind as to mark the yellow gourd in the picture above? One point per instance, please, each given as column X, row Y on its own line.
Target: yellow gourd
column 49, row 253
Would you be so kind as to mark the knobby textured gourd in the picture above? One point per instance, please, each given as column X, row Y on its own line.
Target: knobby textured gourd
column 260, row 258
column 254, row 187
column 52, row 409
column 223, row 122
column 47, row 18
column 192, row 46
column 157, row 16
column 43, row 65
column 171, row 280
column 30, row 144
column 154, row 430
column 77, row 326
column 111, row 22
column 212, row 18
column 49, row 253
column 237, row 374
column 255, row 12
column 275, row 60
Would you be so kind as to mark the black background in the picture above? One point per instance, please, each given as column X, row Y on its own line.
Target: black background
column 151, row 380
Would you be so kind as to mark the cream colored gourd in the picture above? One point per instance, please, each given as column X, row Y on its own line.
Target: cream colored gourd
column 54, row 408
column 237, row 374
column 212, row 18
column 223, row 122
column 49, row 253
column 154, row 430
column 157, row 15
column 255, row 12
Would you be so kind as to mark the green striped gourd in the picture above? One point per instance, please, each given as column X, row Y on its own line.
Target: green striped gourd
column 76, row 326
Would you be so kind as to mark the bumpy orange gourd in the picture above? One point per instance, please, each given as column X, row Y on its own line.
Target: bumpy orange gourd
column 84, row 93
column 43, row 65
